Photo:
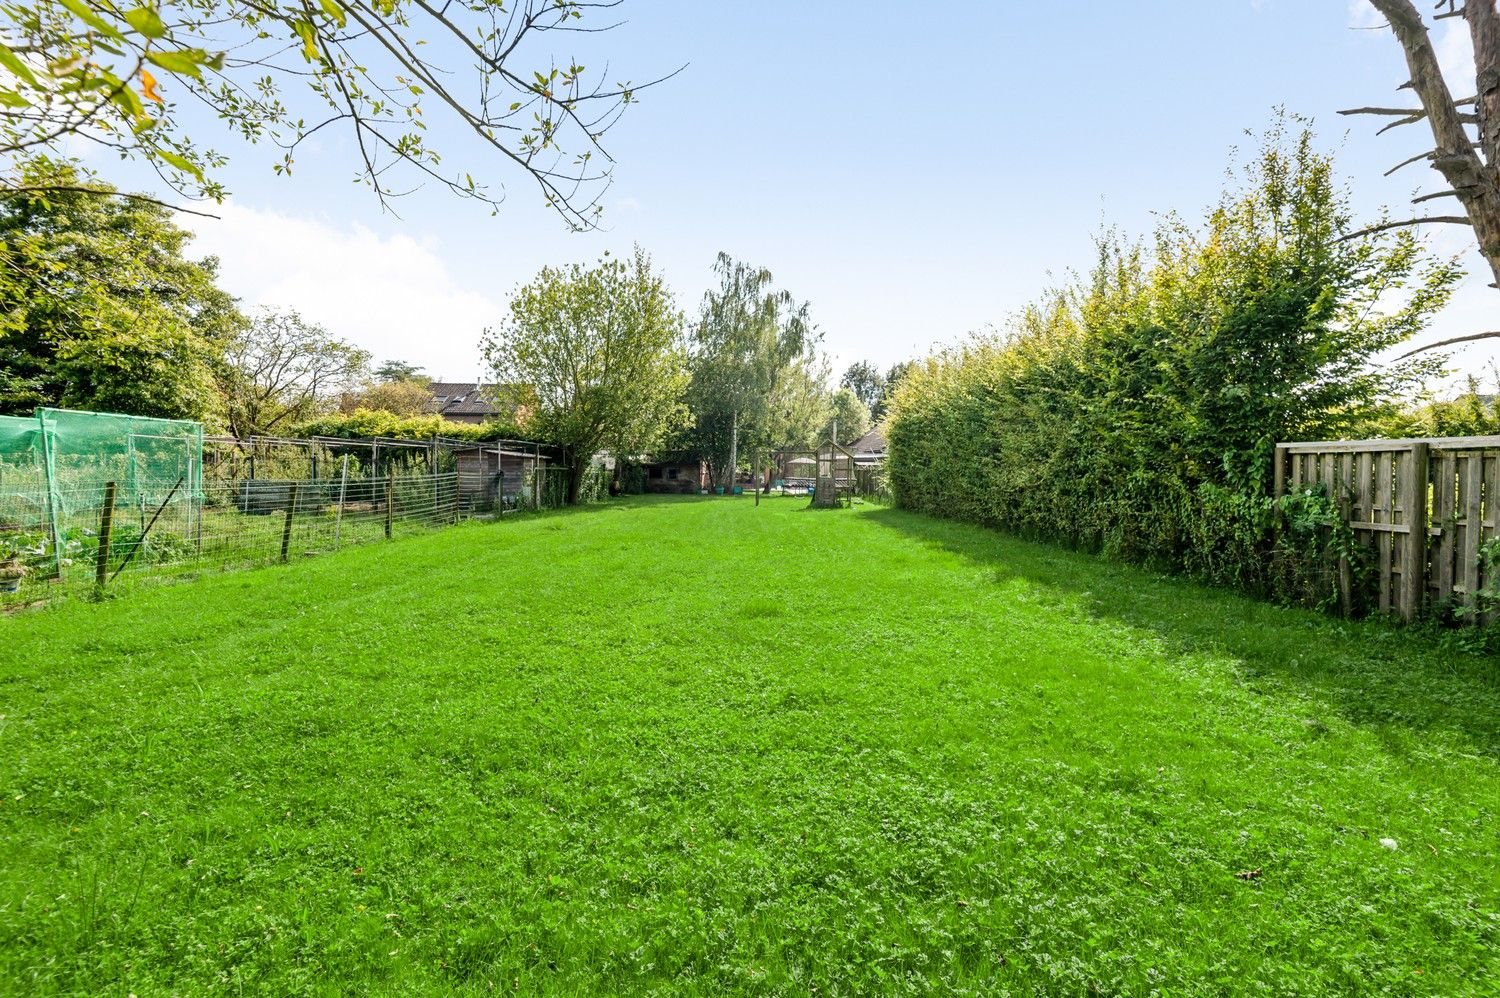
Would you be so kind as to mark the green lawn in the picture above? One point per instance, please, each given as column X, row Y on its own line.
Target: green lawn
column 697, row 746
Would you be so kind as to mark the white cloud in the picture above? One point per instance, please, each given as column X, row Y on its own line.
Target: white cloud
column 392, row 295
column 1455, row 53
column 1362, row 14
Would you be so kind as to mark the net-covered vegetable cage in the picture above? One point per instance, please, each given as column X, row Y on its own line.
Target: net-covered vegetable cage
column 85, row 495
column 53, row 467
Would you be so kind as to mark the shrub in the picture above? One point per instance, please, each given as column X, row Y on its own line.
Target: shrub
column 1134, row 411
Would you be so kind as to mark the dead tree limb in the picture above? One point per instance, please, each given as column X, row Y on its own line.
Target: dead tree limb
column 1383, row 226
column 1471, row 169
column 1491, row 335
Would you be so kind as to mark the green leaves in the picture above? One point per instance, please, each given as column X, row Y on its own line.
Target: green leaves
column 106, row 313
column 98, row 65
column 333, row 10
column 146, row 21
column 181, row 162
column 600, row 349
column 309, row 36
column 81, row 11
column 188, row 62
column 9, row 60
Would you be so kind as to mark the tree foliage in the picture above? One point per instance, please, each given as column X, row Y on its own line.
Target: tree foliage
column 1474, row 411
column 868, row 384
column 99, row 306
column 401, row 397
column 595, row 354
column 1135, row 410
column 848, row 419
column 757, row 376
column 399, row 370
column 281, row 370
column 362, row 423
column 120, row 77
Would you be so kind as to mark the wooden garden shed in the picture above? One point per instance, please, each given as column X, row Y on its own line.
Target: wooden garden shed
column 493, row 475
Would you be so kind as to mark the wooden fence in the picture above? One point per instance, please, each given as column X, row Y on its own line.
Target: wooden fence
column 1425, row 507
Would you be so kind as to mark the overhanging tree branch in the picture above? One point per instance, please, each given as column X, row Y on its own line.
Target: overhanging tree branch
column 1451, row 341
column 1471, row 168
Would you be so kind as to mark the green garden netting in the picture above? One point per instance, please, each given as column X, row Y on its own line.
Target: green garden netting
column 20, row 450
column 146, row 458
column 54, row 468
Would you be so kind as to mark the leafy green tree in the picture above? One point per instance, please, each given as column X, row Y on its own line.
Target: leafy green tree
column 868, row 385
column 595, row 355
column 400, row 370
column 281, row 370
column 1472, row 412
column 757, row 375
column 281, row 71
column 100, row 308
column 404, row 397
column 849, row 419
column 893, row 378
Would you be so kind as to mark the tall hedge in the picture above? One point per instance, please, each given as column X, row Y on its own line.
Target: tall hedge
column 1134, row 410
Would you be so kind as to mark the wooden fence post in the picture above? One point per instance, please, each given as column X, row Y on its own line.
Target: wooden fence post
column 390, row 491
column 1414, row 555
column 106, row 530
column 286, row 527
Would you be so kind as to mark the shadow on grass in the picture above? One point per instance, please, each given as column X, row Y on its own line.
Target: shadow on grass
column 1373, row 672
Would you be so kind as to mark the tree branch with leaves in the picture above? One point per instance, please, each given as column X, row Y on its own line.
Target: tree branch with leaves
column 282, row 72
column 595, row 353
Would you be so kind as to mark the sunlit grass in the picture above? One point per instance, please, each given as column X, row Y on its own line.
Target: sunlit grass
column 699, row 746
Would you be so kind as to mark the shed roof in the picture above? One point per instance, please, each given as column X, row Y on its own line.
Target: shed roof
column 873, row 441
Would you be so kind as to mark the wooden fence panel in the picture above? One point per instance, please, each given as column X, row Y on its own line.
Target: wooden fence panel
column 1424, row 507
column 1444, row 496
column 1384, row 516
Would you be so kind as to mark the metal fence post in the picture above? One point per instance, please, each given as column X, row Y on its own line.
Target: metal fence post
column 338, row 521
column 286, row 528
column 390, row 491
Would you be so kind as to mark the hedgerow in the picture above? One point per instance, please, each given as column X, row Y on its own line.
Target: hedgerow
column 372, row 423
column 1134, row 410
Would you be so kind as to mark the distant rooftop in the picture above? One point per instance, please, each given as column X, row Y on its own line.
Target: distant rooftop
column 461, row 398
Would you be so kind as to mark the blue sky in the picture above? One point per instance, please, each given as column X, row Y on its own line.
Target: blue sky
column 915, row 171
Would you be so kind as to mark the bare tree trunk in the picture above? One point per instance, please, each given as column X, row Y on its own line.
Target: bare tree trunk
column 1484, row 28
column 1473, row 174
column 576, row 469
column 734, row 450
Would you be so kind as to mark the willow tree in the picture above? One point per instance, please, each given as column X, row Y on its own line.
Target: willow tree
column 116, row 76
column 1465, row 130
column 596, row 354
column 757, row 375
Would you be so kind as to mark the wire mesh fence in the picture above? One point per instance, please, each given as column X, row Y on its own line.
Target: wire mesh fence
column 103, row 535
